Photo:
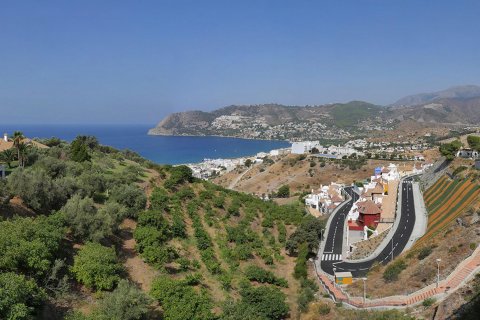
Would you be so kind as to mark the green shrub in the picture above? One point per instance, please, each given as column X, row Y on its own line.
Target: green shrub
column 323, row 309
column 255, row 273
column 283, row 191
column 300, row 270
column 180, row 301
column 393, row 270
column 126, row 302
column 97, row 267
column 19, row 296
column 424, row 252
column 428, row 302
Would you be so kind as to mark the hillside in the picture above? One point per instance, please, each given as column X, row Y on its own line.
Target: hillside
column 107, row 226
column 444, row 110
column 274, row 121
column 458, row 92
column 454, row 106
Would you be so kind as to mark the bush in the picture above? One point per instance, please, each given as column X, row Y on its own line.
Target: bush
column 126, row 302
column 428, row 302
column 97, row 267
column 30, row 245
column 424, row 252
column 255, row 273
column 36, row 188
column 300, row 270
column 324, row 309
column 283, row 191
column 159, row 199
column 130, row 196
column 19, row 296
column 458, row 170
column 178, row 175
column 180, row 301
column 393, row 270
column 88, row 222
column 449, row 150
column 262, row 302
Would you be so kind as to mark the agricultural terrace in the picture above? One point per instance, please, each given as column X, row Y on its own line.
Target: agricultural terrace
column 445, row 201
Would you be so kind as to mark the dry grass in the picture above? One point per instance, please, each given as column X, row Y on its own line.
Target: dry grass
column 366, row 247
column 264, row 179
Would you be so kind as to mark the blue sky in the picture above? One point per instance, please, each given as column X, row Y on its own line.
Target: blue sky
column 136, row 61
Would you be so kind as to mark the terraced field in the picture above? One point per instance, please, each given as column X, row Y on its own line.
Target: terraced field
column 445, row 201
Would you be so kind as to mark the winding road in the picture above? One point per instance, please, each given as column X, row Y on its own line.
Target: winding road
column 331, row 257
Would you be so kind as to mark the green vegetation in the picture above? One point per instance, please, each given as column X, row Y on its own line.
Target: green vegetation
column 255, row 273
column 428, row 302
column 394, row 269
column 449, row 150
column 458, row 170
column 283, row 191
column 349, row 114
column 203, row 241
column 18, row 296
column 180, row 300
column 424, row 252
column 97, row 267
column 257, row 303
column 474, row 142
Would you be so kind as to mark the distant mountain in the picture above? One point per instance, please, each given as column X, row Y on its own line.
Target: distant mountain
column 457, row 110
column 275, row 121
column 456, row 105
column 458, row 92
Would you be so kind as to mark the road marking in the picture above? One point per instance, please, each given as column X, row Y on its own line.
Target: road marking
column 401, row 236
column 331, row 257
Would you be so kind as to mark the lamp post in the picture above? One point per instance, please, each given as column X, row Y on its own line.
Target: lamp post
column 364, row 289
column 438, row 271
column 392, row 249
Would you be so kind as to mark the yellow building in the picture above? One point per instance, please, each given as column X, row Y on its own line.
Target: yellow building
column 343, row 277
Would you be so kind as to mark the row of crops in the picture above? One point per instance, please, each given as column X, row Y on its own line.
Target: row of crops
column 445, row 201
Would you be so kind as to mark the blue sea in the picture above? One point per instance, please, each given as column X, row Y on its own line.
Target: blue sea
column 160, row 149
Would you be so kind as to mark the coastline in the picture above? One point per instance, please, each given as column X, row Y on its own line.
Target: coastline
column 214, row 135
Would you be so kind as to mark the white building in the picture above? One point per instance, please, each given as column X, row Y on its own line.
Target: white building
column 468, row 153
column 302, row 147
column 326, row 198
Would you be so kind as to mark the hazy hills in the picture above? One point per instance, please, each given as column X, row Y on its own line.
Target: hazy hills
column 456, row 105
column 458, row 92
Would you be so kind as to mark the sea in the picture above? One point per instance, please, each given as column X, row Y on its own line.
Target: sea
column 159, row 149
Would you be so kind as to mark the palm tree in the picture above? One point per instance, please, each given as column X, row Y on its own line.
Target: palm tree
column 17, row 140
column 22, row 149
column 7, row 156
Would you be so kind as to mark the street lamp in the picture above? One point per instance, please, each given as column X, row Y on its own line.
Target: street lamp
column 364, row 289
column 438, row 271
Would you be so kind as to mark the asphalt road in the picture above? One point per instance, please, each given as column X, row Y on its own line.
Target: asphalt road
column 399, row 240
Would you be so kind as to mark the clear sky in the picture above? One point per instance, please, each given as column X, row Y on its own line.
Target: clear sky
column 91, row 61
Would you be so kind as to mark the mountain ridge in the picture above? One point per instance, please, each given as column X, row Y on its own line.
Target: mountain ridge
column 337, row 121
column 460, row 92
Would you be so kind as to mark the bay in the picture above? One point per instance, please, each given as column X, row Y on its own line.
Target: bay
column 160, row 149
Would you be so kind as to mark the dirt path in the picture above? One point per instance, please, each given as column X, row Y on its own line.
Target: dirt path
column 138, row 271
column 237, row 179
